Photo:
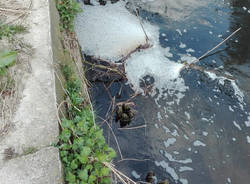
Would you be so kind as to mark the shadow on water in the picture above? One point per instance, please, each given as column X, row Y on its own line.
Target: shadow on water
column 203, row 137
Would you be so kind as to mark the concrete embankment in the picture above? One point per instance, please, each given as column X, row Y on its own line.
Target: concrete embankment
column 26, row 152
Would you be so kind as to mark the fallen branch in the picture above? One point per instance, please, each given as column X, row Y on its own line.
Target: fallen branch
column 105, row 68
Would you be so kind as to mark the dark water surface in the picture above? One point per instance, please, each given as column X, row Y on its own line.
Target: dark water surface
column 205, row 137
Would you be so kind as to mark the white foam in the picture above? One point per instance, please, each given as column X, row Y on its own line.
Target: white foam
column 185, row 168
column 175, row 133
column 170, row 158
column 182, row 45
column 204, row 133
column 247, row 123
column 169, row 169
column 186, row 137
column 190, row 50
column 230, row 108
column 236, row 125
column 166, row 129
column 179, row 31
column 198, row 143
column 169, row 142
column 135, row 174
column 187, row 114
column 108, row 32
column 237, row 92
column 187, row 58
column 152, row 62
column 183, row 181
column 248, row 139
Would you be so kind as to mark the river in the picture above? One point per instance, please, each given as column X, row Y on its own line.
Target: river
column 198, row 123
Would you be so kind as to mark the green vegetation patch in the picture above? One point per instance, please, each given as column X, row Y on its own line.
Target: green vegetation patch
column 10, row 30
column 83, row 149
column 67, row 10
column 7, row 59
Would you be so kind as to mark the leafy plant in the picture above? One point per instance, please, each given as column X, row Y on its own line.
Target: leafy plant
column 10, row 30
column 7, row 58
column 83, row 149
column 67, row 10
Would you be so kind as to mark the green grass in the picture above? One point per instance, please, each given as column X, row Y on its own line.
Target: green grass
column 10, row 30
column 67, row 9
column 83, row 149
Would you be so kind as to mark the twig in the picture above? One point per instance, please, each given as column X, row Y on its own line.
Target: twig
column 137, row 14
column 13, row 10
column 133, row 159
column 114, row 136
column 115, row 172
column 23, row 14
column 131, row 128
column 197, row 60
column 105, row 67
column 119, row 174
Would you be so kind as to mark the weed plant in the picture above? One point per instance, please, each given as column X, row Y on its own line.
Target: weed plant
column 83, row 149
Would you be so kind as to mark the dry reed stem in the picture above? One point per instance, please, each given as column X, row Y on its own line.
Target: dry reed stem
column 13, row 10
column 118, row 146
column 197, row 60
column 133, row 159
column 22, row 14
column 119, row 174
column 132, row 128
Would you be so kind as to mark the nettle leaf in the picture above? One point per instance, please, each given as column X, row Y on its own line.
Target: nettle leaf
column 83, row 175
column 92, row 179
column 74, row 164
column 65, row 135
column 83, row 159
column 111, row 154
column 70, row 177
column 85, row 151
column 106, row 180
column 67, row 123
column 105, row 171
column 7, row 58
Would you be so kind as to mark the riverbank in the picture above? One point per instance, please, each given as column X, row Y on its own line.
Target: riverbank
column 29, row 123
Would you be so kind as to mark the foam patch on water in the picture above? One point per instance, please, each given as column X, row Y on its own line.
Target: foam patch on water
column 237, row 92
column 247, row 123
column 248, row 139
column 168, row 169
column 169, row 142
column 185, row 168
column 172, row 159
column 198, row 143
column 154, row 62
column 236, row 125
column 108, row 32
column 135, row 175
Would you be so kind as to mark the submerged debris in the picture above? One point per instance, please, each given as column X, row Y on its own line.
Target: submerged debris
column 150, row 178
column 124, row 114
